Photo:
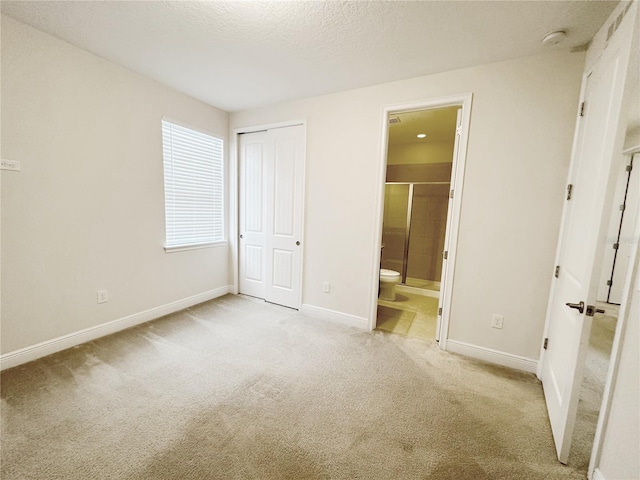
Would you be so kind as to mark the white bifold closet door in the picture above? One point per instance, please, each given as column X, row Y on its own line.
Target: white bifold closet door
column 271, row 168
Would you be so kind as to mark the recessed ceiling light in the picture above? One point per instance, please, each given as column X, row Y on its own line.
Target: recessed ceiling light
column 421, row 135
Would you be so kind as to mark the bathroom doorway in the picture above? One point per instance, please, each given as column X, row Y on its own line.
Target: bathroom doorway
column 419, row 210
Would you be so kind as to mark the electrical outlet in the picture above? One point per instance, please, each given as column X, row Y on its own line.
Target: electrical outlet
column 103, row 296
column 496, row 321
column 13, row 165
column 326, row 287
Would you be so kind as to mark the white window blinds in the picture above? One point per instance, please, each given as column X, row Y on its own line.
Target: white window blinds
column 193, row 186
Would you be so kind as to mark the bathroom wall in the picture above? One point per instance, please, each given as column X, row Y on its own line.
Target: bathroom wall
column 419, row 172
column 420, row 152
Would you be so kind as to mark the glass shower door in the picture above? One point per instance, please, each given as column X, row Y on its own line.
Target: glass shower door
column 426, row 236
column 394, row 226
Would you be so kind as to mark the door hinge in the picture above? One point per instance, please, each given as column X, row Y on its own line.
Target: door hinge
column 622, row 207
column 451, row 193
column 582, row 109
column 440, row 311
column 445, row 254
column 557, row 274
column 569, row 191
column 546, row 343
column 609, row 283
column 616, row 246
column 629, row 167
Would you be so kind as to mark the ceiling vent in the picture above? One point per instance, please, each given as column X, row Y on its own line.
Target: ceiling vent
column 616, row 23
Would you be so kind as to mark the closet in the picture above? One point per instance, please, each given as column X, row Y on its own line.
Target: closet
column 271, row 179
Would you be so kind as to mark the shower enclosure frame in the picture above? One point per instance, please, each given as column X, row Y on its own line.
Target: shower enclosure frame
column 464, row 102
column 407, row 231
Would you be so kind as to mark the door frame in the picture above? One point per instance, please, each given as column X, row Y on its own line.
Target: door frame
column 599, row 43
column 463, row 101
column 614, row 358
column 234, row 200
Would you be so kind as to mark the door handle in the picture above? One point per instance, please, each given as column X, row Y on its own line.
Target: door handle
column 577, row 306
column 241, row 236
column 298, row 243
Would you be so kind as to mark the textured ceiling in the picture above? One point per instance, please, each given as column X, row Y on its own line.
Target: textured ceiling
column 239, row 55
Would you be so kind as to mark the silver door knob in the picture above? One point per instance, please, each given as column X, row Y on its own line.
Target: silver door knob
column 241, row 236
column 577, row 306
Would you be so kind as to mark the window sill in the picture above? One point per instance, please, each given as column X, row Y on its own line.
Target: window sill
column 198, row 246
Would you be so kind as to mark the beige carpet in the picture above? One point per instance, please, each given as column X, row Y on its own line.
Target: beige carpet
column 239, row 389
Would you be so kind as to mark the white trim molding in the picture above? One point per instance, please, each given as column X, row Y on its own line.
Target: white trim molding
column 42, row 349
column 464, row 101
column 196, row 246
column 493, row 356
column 334, row 316
column 597, row 475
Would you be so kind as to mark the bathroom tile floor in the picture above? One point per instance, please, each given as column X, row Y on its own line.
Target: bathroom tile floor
column 411, row 315
column 420, row 283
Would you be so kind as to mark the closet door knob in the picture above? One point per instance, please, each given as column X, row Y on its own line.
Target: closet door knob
column 298, row 243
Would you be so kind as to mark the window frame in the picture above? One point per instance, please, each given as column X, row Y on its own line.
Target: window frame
column 195, row 246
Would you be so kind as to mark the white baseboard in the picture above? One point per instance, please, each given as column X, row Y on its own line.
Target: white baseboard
column 334, row 316
column 597, row 475
column 48, row 347
column 493, row 356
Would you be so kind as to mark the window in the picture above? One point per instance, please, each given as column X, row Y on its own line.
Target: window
column 193, row 187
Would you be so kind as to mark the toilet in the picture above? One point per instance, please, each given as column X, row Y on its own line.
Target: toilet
column 388, row 281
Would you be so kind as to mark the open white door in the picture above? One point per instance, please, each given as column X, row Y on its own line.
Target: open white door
column 573, row 293
column 447, row 235
column 271, row 168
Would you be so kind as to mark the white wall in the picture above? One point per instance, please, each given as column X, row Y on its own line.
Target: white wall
column 633, row 137
column 522, row 124
column 87, row 210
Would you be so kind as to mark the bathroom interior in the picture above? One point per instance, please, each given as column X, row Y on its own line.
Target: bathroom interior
column 416, row 200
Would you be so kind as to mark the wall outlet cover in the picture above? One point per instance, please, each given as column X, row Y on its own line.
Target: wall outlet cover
column 12, row 165
column 103, row 296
